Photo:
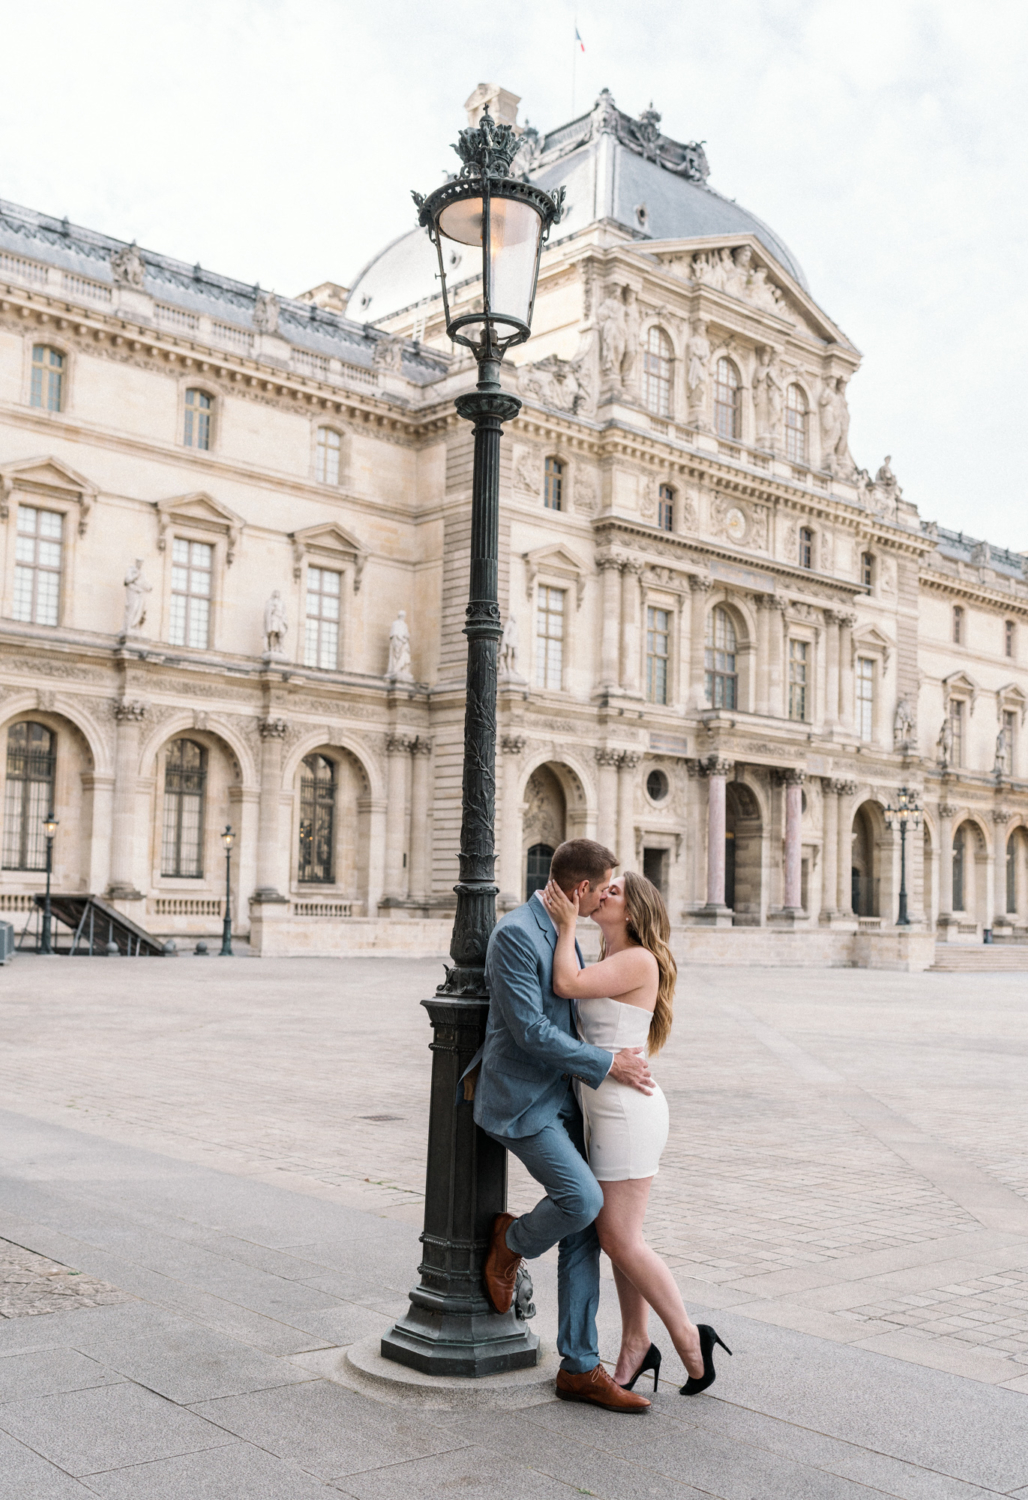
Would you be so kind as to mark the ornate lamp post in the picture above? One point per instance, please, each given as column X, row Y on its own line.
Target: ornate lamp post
column 228, row 838
column 49, row 829
column 450, row 1328
column 906, row 814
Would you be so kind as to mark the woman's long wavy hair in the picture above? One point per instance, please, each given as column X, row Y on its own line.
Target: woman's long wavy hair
column 650, row 927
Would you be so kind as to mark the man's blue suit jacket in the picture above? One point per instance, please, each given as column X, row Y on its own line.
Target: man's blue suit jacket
column 531, row 1048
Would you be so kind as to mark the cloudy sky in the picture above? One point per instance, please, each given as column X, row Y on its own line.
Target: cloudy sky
column 277, row 140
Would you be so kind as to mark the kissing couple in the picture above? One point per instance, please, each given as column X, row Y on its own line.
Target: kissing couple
column 564, row 1083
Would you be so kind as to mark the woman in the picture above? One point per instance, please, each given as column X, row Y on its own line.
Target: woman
column 625, row 1001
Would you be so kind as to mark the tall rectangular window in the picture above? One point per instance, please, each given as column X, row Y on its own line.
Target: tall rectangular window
column 798, row 663
column 958, row 625
column 806, row 547
column 867, row 569
column 327, row 451
column 553, row 484
column 658, row 650
column 1009, row 637
column 47, row 389
column 865, row 697
column 549, row 638
column 185, row 780
column 191, row 565
column 321, row 638
column 37, row 565
column 666, row 508
column 197, row 430
column 28, row 795
column 956, row 719
column 1009, row 741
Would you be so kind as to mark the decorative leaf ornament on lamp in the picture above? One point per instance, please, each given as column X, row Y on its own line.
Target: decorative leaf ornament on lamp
column 509, row 219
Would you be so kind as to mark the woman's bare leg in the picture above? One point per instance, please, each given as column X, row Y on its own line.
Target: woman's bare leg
column 620, row 1228
column 635, row 1327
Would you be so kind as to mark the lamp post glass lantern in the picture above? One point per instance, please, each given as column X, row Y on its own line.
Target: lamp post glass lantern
column 49, row 831
column 905, row 814
column 228, row 838
column 450, row 1327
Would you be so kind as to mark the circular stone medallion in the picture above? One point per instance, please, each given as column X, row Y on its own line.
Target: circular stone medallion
column 735, row 524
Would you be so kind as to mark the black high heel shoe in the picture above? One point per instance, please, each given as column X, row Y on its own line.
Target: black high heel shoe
column 708, row 1338
column 651, row 1362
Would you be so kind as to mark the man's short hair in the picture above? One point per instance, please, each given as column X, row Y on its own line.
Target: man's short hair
column 580, row 859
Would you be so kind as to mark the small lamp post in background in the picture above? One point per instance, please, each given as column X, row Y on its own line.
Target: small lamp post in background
column 49, row 829
column 503, row 222
column 906, row 814
column 228, row 838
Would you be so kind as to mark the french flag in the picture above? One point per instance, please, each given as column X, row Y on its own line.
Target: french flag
column 578, row 39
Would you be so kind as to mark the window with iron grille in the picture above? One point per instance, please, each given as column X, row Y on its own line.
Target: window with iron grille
column 538, row 869
column 865, row 697
column 657, row 363
column 867, row 569
column 666, row 508
column 1009, row 637
column 719, row 660
column 796, row 425
column 185, row 787
column 326, row 455
column 549, row 638
column 47, row 387
column 553, row 485
column 658, row 651
column 798, row 664
column 191, row 565
column 37, row 566
column 197, row 430
column 317, row 821
column 1012, row 848
column 28, row 794
column 321, row 637
column 958, row 625
column 727, row 414
column 806, row 547
column 959, row 847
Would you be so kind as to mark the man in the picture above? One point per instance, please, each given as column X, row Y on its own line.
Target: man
column 525, row 1099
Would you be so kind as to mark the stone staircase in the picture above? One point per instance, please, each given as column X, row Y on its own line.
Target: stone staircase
column 980, row 958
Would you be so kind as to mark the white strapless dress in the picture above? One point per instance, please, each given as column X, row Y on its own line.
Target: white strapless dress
column 625, row 1131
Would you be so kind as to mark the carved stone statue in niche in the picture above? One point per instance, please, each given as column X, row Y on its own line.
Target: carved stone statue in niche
column 1000, row 764
column 136, row 590
column 903, row 725
column 265, row 313
column 835, row 428
column 275, row 627
column 886, row 480
column 612, row 321
column 768, row 398
column 697, row 352
column 944, row 744
column 509, row 644
column 399, row 669
column 526, row 472
column 127, row 267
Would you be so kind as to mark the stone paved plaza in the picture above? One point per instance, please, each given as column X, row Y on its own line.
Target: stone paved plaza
column 210, row 1179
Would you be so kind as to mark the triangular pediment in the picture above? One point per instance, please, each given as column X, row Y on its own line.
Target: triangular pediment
column 46, row 474
column 198, row 508
column 331, row 542
column 1012, row 697
column 961, row 684
column 558, row 560
column 870, row 638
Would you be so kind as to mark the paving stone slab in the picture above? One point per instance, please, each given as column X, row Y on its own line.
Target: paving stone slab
column 235, row 1472
column 26, row 1476
column 47, row 1372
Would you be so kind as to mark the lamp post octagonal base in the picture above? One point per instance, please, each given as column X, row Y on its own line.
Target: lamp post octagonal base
column 448, row 1343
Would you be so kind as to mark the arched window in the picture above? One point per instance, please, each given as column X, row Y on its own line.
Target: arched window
column 722, row 680
column 666, row 508
column 197, row 430
column 657, row 358
column 806, row 558
column 28, row 794
column 185, row 787
column 727, row 413
column 317, row 820
column 47, row 389
column 959, row 847
column 1011, row 873
column 867, row 569
column 553, row 484
column 538, row 873
column 326, row 455
column 796, row 425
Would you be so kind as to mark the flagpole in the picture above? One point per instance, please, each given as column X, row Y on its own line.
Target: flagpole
column 574, row 67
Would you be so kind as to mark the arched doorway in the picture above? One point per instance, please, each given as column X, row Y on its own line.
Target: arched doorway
column 743, row 831
column 1017, row 873
column 865, row 879
column 329, row 839
column 545, row 821
column 969, row 872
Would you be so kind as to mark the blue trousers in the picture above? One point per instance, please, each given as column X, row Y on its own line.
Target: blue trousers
column 566, row 1218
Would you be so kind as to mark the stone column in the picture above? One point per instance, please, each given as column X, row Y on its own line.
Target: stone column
column 831, row 713
column 846, row 705
column 846, row 791
column 631, row 645
column 762, row 665
column 628, row 760
column 793, row 849
column 830, row 848
column 947, row 813
column 610, row 638
column 269, row 853
column 398, row 748
column 701, row 587
column 607, row 797
column 128, row 717
column 420, row 837
column 99, row 792
column 776, row 646
column 717, row 772
column 511, row 831
column 1000, row 819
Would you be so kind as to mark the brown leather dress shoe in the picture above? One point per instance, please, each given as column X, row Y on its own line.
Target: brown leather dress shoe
column 500, row 1272
column 599, row 1388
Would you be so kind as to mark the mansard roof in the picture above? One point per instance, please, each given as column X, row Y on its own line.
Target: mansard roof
column 91, row 265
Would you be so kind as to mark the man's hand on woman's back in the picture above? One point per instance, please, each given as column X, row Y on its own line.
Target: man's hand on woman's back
column 631, row 1066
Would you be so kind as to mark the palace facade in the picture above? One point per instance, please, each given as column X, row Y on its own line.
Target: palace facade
column 727, row 649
